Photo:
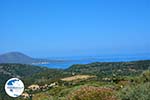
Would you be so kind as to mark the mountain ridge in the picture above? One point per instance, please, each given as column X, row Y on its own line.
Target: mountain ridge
column 18, row 57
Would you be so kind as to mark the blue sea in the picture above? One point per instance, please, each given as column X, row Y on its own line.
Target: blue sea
column 69, row 61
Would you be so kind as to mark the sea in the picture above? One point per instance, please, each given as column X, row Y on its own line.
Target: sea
column 67, row 62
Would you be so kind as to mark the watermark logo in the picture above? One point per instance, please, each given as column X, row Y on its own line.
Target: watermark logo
column 14, row 87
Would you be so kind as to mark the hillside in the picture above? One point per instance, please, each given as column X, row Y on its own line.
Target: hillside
column 18, row 70
column 17, row 57
column 110, row 68
column 97, row 78
column 28, row 73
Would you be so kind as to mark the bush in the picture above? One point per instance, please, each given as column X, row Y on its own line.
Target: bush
column 145, row 77
column 92, row 93
column 139, row 92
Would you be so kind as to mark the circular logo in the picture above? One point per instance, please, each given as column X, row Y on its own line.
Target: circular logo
column 14, row 87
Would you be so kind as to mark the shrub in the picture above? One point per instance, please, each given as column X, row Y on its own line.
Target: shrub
column 138, row 92
column 145, row 77
column 92, row 93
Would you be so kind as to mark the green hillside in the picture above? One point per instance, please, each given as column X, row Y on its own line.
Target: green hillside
column 95, row 81
column 108, row 68
column 21, row 71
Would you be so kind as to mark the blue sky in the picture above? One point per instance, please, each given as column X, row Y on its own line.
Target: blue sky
column 75, row 27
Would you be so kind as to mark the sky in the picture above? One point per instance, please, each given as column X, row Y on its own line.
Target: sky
column 45, row 28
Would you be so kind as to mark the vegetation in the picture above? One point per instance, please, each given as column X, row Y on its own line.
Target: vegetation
column 92, row 93
column 108, row 68
column 96, row 81
column 138, row 92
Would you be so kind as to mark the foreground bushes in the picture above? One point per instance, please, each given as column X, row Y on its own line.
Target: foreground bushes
column 145, row 76
column 92, row 93
column 139, row 92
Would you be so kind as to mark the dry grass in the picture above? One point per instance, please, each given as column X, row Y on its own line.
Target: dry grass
column 92, row 93
column 41, row 96
column 77, row 77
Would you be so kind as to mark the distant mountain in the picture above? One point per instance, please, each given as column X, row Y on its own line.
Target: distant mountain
column 17, row 57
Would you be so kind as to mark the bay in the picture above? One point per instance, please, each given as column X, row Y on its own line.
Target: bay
column 69, row 61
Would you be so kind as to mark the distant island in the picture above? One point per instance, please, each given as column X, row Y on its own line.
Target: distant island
column 18, row 57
